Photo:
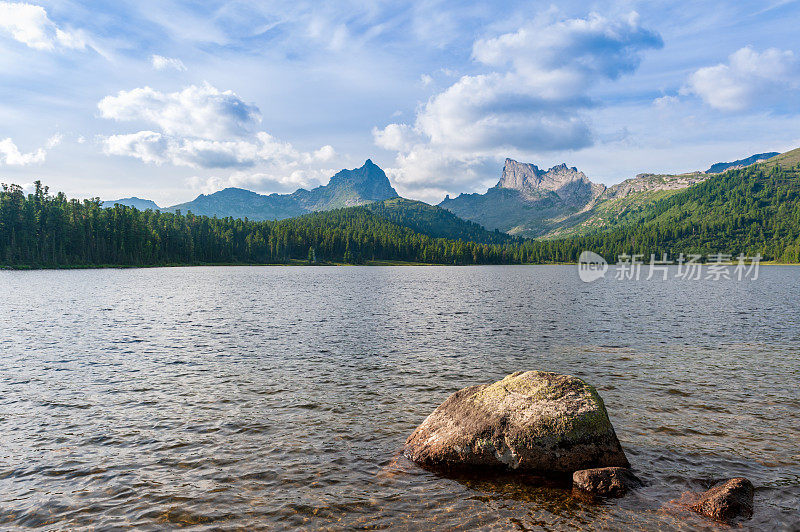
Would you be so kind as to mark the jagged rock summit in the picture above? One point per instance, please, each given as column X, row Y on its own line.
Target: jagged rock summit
column 527, row 200
column 571, row 185
column 532, row 202
column 348, row 188
column 534, row 422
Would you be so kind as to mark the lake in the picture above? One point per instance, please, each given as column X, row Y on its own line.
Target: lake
column 278, row 397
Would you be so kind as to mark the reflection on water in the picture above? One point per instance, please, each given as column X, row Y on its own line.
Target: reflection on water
column 277, row 397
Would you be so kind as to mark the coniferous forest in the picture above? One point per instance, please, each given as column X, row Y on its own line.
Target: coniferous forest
column 755, row 210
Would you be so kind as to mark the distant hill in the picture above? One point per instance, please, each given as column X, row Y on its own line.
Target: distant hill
column 348, row 188
column 138, row 203
column 240, row 203
column 623, row 202
column 630, row 195
column 366, row 186
column 434, row 221
column 741, row 163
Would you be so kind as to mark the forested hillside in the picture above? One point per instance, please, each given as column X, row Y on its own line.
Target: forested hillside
column 45, row 230
column 751, row 210
column 755, row 210
column 435, row 221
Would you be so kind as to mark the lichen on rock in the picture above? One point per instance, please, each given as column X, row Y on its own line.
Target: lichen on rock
column 530, row 421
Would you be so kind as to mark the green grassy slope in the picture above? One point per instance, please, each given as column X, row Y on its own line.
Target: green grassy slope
column 609, row 214
column 785, row 160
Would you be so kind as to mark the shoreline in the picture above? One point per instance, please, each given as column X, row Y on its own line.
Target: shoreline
column 296, row 263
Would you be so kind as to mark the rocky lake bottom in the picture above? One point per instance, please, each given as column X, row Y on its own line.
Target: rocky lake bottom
column 278, row 397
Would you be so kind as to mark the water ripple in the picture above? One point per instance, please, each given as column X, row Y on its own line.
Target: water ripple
column 267, row 398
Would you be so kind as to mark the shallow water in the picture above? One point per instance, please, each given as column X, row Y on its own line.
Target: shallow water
column 273, row 397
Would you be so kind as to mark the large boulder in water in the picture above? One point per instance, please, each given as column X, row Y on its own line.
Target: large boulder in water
column 533, row 421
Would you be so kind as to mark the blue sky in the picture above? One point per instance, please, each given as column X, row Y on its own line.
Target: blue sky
column 165, row 100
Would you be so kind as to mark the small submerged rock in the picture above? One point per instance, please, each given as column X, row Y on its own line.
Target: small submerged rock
column 531, row 421
column 605, row 481
column 728, row 500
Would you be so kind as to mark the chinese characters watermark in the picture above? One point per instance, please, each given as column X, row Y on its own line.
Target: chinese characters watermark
column 715, row 267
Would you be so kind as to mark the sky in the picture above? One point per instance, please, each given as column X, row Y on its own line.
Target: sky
column 165, row 100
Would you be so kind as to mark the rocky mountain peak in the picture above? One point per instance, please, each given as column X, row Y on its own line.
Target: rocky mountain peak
column 518, row 176
column 348, row 188
column 570, row 184
column 370, row 181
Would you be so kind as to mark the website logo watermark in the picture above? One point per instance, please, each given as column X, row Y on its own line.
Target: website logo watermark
column 591, row 266
column 714, row 267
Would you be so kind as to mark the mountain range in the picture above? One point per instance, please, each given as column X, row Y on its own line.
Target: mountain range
column 752, row 211
column 348, row 188
column 562, row 202
column 532, row 202
column 526, row 202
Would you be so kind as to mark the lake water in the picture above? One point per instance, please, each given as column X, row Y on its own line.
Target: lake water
column 278, row 397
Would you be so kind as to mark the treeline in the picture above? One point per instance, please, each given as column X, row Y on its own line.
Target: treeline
column 44, row 230
column 752, row 211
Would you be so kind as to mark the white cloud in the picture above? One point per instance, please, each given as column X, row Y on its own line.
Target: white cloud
column 202, row 128
column 561, row 59
column 324, row 154
column 531, row 101
column 30, row 25
column 196, row 111
column 156, row 148
column 748, row 79
column 396, row 137
column 663, row 102
column 279, row 179
column 335, row 37
column 54, row 141
column 11, row 156
column 149, row 146
column 160, row 62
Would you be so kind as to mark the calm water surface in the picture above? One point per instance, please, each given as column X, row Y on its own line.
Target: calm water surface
column 269, row 398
